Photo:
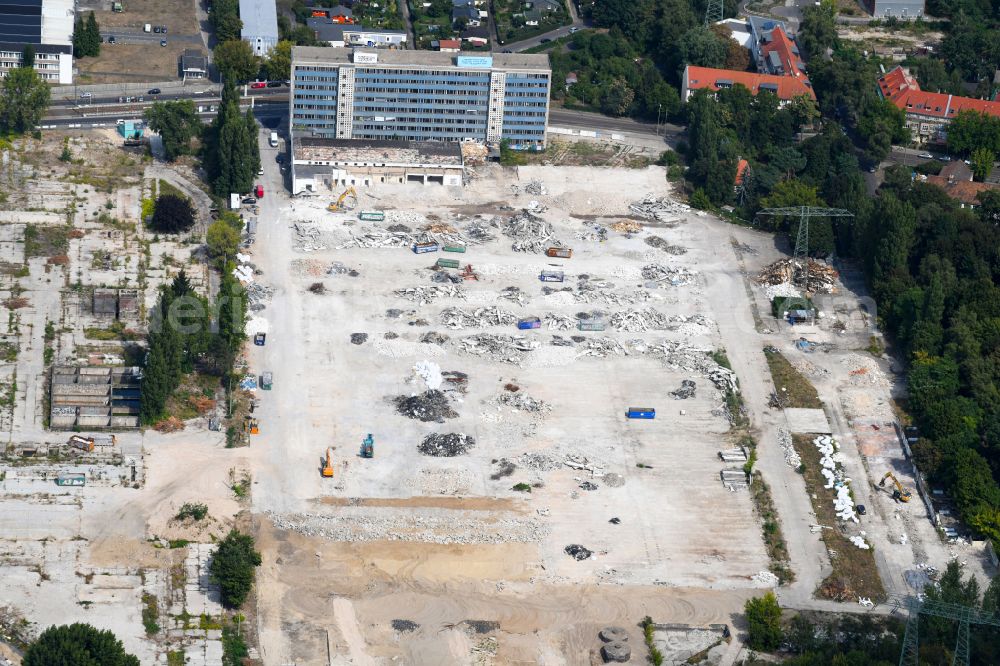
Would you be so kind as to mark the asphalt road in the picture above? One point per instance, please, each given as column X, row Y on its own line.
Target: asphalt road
column 606, row 124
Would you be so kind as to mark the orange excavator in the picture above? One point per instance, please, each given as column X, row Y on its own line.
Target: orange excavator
column 328, row 465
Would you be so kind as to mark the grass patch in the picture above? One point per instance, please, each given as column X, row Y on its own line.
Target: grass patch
column 719, row 356
column 175, row 658
column 875, row 347
column 521, row 487
column 116, row 331
column 234, row 648
column 164, row 188
column 8, row 351
column 774, row 539
column 193, row 510
column 854, row 571
column 792, row 388
column 45, row 240
column 655, row 656
column 178, row 543
column 239, row 484
column 207, row 623
column 150, row 614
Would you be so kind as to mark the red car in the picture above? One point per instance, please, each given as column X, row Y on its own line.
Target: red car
column 259, row 191
column 259, row 84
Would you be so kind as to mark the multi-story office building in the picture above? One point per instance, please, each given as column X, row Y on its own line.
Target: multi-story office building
column 420, row 96
column 47, row 25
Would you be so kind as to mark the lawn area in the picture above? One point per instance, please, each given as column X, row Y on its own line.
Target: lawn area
column 854, row 571
column 792, row 388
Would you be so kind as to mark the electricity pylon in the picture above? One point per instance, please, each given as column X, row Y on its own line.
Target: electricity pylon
column 804, row 213
column 964, row 615
column 714, row 11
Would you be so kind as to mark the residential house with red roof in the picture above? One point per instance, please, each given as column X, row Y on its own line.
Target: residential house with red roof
column 786, row 88
column 928, row 113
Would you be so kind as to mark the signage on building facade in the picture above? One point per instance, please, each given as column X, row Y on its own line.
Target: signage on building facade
column 365, row 58
column 475, row 61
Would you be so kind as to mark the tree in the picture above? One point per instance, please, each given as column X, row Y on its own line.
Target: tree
column 176, row 122
column 254, row 145
column 173, row 214
column 982, row 163
column 703, row 48
column 28, row 56
column 819, row 29
column 970, row 130
column 232, row 567
column 225, row 18
column 93, row 32
column 278, row 66
column 236, row 61
column 223, row 240
column 989, row 206
column 764, row 620
column 77, row 645
column 617, row 98
column 24, row 99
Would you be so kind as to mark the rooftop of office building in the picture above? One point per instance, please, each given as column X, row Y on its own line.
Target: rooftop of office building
column 309, row 149
column 319, row 54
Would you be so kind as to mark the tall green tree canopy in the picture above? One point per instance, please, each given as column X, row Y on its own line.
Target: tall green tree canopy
column 23, row 100
column 77, row 645
column 177, row 123
column 232, row 567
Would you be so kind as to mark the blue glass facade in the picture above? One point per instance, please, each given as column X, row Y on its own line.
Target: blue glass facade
column 418, row 102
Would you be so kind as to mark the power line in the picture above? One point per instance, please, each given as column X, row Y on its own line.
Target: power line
column 804, row 213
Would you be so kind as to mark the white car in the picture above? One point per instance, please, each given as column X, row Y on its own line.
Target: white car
column 926, row 156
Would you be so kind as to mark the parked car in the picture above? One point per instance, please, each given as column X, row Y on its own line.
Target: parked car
column 258, row 84
column 163, row 29
column 163, row 42
column 944, row 158
column 111, row 39
column 156, row 29
column 250, row 201
column 545, row 40
column 274, row 84
column 153, row 91
column 259, row 339
column 926, row 156
column 862, row 510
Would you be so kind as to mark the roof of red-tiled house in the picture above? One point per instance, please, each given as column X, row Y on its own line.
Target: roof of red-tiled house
column 787, row 52
column 785, row 87
column 962, row 190
column 904, row 91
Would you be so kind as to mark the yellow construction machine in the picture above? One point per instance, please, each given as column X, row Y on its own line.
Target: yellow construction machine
column 341, row 203
column 900, row 494
column 328, row 465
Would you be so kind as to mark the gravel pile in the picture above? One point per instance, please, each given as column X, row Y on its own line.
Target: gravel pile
column 442, row 526
column 405, row 625
column 431, row 405
column 662, row 244
column 578, row 552
column 446, row 445
column 686, row 390
column 358, row 338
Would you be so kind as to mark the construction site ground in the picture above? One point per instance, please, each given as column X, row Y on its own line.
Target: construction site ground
column 414, row 558
column 441, row 542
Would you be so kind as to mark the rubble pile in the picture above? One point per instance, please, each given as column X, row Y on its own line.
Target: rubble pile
column 781, row 290
column 358, row 338
column 662, row 244
column 836, row 480
column 534, row 187
column 441, row 276
column 594, row 234
column 522, row 402
column 598, row 290
column 578, row 552
column 481, row 230
column 639, row 320
column 685, row 391
column 627, row 227
column 822, row 277
column 692, row 325
column 602, row 348
column 307, row 237
column 660, row 274
column 431, row 405
column 539, row 461
column 514, row 295
column 504, row 348
column 423, row 294
column 791, row 455
column 663, row 209
column 446, row 445
column 558, row 322
column 377, row 238
column 258, row 296
column 457, row 319
column 529, row 232
column 434, row 338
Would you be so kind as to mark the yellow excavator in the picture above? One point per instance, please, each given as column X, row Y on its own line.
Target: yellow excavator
column 900, row 494
column 328, row 465
column 341, row 203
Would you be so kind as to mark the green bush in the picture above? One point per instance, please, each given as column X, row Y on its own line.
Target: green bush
column 764, row 621
column 197, row 511
column 77, row 645
column 232, row 567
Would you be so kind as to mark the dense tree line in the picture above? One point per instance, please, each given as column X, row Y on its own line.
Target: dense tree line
column 86, row 37
column 230, row 152
column 177, row 123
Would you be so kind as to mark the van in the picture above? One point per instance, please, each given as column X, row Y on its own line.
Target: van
column 148, row 28
column 273, row 140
